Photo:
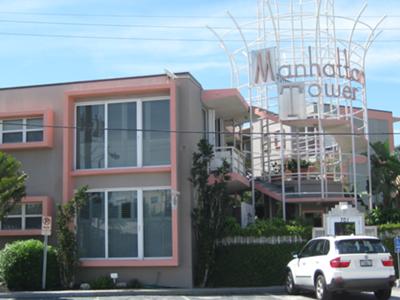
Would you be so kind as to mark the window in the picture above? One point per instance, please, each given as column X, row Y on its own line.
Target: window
column 126, row 224
column 360, row 246
column 156, row 148
column 107, row 134
column 22, row 217
column 22, row 130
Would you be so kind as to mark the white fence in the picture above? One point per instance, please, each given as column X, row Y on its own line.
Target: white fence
column 251, row 240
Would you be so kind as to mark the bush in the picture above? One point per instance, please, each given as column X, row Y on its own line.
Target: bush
column 21, row 266
column 379, row 216
column 134, row 284
column 267, row 228
column 102, row 283
column 252, row 265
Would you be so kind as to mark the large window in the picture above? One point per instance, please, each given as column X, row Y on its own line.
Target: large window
column 21, row 130
column 23, row 216
column 126, row 224
column 122, row 134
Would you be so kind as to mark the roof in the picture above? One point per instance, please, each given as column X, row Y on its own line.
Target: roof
column 346, row 237
column 181, row 74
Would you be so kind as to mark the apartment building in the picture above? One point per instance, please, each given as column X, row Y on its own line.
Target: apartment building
column 130, row 140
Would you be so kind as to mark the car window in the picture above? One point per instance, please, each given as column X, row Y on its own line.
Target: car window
column 326, row 247
column 319, row 248
column 308, row 249
column 360, row 246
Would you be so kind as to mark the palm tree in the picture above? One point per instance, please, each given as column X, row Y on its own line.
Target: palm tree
column 385, row 174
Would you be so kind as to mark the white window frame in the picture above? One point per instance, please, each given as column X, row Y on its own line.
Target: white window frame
column 139, row 127
column 24, row 130
column 23, row 217
column 140, row 220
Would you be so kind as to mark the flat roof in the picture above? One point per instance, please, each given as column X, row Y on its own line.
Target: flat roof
column 100, row 80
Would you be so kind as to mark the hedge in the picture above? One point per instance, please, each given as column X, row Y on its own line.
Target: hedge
column 21, row 266
column 259, row 265
column 252, row 265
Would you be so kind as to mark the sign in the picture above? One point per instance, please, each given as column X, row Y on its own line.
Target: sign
column 317, row 75
column 397, row 244
column 46, row 225
column 263, row 66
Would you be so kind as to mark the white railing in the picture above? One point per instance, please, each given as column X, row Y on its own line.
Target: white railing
column 233, row 157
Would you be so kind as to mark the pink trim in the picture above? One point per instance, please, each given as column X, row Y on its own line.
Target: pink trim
column 266, row 114
column 69, row 174
column 319, row 200
column 259, row 187
column 387, row 116
column 233, row 177
column 213, row 95
column 47, row 210
column 116, row 171
column 239, row 178
column 174, row 172
column 101, row 92
column 48, row 129
column 129, row 263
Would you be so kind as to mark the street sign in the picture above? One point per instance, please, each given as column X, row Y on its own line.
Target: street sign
column 397, row 244
column 46, row 225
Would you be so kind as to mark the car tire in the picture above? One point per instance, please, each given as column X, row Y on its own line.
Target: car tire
column 289, row 284
column 321, row 292
column 383, row 294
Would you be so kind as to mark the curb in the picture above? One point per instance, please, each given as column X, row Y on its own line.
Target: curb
column 144, row 292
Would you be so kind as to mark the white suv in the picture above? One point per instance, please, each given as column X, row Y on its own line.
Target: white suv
column 342, row 263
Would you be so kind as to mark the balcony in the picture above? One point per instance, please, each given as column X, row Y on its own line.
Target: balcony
column 236, row 161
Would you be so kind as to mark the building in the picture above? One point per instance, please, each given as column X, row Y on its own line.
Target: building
column 304, row 78
column 131, row 141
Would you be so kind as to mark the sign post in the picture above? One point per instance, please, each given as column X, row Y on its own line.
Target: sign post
column 397, row 250
column 46, row 231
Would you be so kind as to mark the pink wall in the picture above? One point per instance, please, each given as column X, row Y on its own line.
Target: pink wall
column 88, row 94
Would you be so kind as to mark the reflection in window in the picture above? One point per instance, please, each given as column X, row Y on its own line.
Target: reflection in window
column 122, row 146
column 90, row 137
column 23, row 216
column 22, row 130
column 157, row 223
column 122, row 224
column 125, row 230
column 91, row 227
column 156, row 138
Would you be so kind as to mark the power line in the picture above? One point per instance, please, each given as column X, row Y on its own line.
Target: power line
column 37, row 127
column 158, row 16
column 101, row 37
column 190, row 27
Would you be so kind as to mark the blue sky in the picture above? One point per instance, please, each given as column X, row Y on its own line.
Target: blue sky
column 27, row 60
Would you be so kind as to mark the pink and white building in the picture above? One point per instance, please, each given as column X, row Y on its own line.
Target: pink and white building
column 124, row 138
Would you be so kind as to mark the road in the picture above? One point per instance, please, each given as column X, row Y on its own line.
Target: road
column 267, row 296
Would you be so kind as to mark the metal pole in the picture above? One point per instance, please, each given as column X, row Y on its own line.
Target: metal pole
column 398, row 264
column 46, row 237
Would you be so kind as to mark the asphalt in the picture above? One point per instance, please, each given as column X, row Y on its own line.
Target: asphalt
column 145, row 292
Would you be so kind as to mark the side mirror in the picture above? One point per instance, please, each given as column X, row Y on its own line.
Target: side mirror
column 295, row 255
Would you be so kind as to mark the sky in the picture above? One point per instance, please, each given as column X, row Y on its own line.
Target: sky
column 137, row 41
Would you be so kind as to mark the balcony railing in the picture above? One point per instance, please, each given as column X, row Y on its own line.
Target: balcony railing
column 233, row 157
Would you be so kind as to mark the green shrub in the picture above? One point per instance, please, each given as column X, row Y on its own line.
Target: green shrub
column 267, row 228
column 134, row 284
column 252, row 265
column 21, row 266
column 102, row 283
column 379, row 216
column 388, row 227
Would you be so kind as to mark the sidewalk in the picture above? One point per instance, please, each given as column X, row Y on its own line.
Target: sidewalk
column 144, row 292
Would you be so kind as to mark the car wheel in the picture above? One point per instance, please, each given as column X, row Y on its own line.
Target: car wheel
column 383, row 294
column 290, row 286
column 321, row 293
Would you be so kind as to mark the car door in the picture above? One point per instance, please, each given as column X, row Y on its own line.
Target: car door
column 315, row 261
column 303, row 264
